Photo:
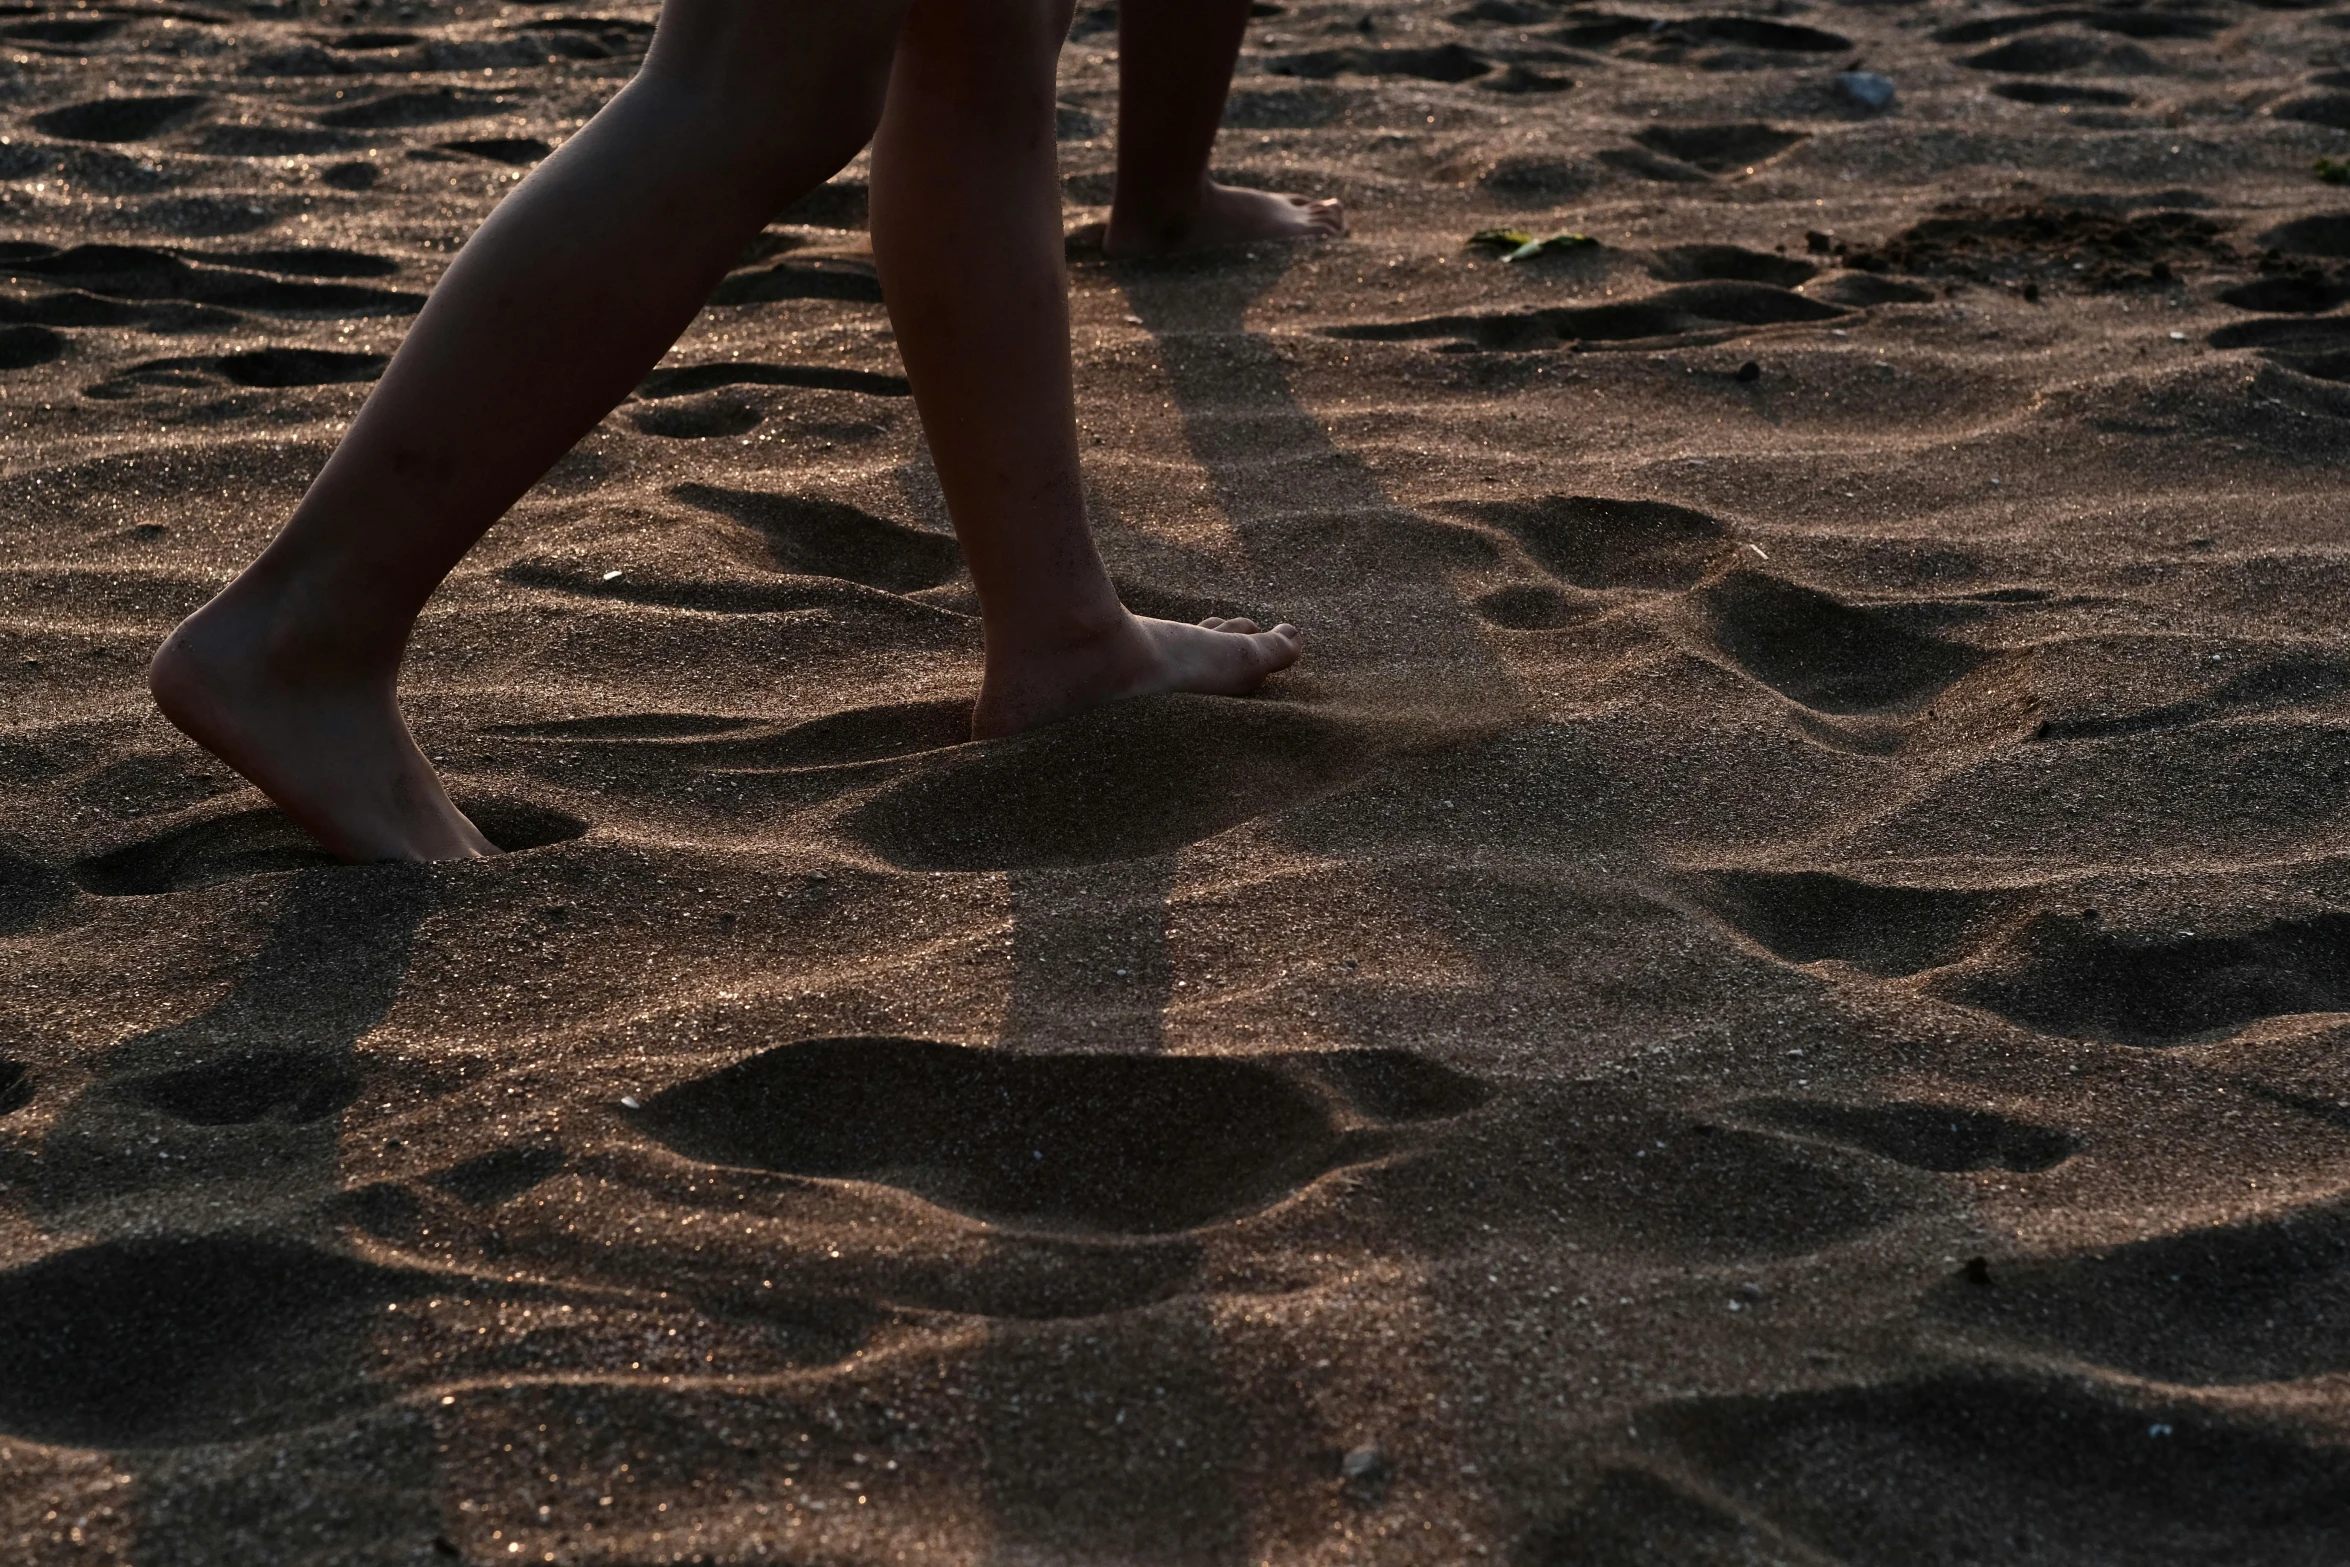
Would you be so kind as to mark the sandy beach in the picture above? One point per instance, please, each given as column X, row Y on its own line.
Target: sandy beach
column 1773, row 991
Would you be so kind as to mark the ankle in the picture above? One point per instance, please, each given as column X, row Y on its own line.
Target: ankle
column 1157, row 212
column 288, row 628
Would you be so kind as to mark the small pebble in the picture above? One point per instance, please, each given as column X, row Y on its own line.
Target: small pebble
column 1866, row 88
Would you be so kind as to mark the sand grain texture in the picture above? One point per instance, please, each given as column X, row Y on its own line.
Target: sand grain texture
column 1770, row 993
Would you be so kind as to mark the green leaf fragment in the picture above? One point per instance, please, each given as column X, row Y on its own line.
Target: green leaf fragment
column 2334, row 171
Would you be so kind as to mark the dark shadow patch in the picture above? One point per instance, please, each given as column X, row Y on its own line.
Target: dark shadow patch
column 135, row 272
column 2289, row 681
column 1444, row 63
column 686, row 380
column 814, row 278
column 61, row 33
column 1597, row 541
column 2286, row 335
column 218, row 847
column 2060, row 974
column 1828, row 655
column 518, row 152
column 833, row 539
column 290, row 1086
column 1807, row 916
column 1699, row 312
column 1985, row 1466
column 501, row 1174
column 400, row 110
column 1394, row 1085
column 2038, row 55
column 2263, row 1301
column 2327, row 234
column 1922, row 1136
column 627, row 728
column 2129, row 24
column 1136, row 1144
column 1699, row 263
column 1533, row 606
column 1717, row 149
column 2331, row 110
column 184, row 1339
column 16, row 1086
column 271, row 141
column 700, row 418
column 119, row 119
column 277, row 367
column 2066, row 94
column 1133, row 778
column 2306, row 293
column 22, row 347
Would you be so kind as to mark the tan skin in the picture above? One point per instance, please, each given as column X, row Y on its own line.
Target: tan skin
column 1175, row 61
column 290, row 674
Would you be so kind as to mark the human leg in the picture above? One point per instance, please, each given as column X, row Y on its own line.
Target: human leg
column 967, row 233
column 558, row 305
column 1175, row 62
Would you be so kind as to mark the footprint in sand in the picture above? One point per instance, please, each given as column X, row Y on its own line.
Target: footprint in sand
column 2061, row 974
column 261, row 367
column 180, row 1340
column 214, row 843
column 2265, row 1301
column 1880, row 929
column 1135, row 778
column 16, row 1086
column 1135, row 1144
column 291, row 1086
column 502, row 1174
column 120, row 119
column 1828, row 655
column 1968, row 1466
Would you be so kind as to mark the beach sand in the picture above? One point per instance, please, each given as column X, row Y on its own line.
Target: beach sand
column 1771, row 992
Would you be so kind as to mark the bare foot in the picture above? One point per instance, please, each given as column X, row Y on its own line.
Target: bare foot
column 330, row 748
column 1224, row 215
column 1216, row 657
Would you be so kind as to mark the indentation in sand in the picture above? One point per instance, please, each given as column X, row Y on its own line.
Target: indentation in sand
column 1806, row 916
column 179, row 1339
column 1144, row 1144
column 293, row 1086
column 1963, row 1465
column 2267, row 1300
column 1134, row 778
column 1824, row 653
column 2062, row 974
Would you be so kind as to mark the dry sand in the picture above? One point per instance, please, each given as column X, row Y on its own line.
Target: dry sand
column 1772, row 993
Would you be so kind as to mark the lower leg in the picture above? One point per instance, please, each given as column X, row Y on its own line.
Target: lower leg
column 967, row 232
column 555, row 308
column 1175, row 61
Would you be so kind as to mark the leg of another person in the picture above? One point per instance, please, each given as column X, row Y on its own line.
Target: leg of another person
column 1175, row 62
column 552, row 312
column 967, row 233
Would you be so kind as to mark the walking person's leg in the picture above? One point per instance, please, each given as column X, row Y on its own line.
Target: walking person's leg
column 1175, row 61
column 553, row 311
column 967, row 232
